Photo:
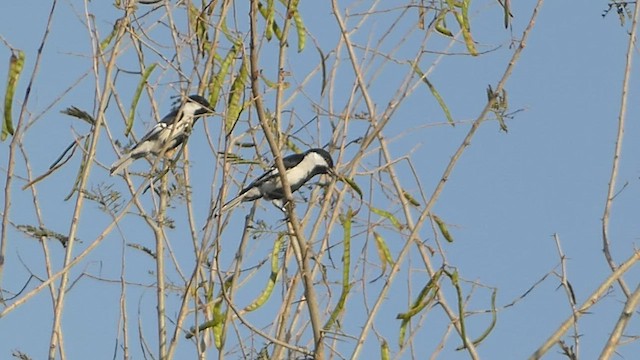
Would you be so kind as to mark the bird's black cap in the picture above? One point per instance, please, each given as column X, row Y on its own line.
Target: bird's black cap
column 200, row 100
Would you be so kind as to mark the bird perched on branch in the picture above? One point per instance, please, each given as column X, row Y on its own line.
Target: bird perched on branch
column 169, row 133
column 300, row 168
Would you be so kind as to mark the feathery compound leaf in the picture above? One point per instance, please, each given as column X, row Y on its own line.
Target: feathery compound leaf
column 443, row 228
column 80, row 114
column 136, row 97
column 389, row 217
column 42, row 232
column 275, row 269
column 234, row 107
column 435, row 93
column 16, row 63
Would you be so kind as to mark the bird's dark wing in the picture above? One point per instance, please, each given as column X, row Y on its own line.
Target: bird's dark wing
column 288, row 161
column 171, row 117
column 292, row 160
column 270, row 174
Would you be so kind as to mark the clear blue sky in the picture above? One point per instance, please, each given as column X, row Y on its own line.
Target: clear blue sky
column 507, row 196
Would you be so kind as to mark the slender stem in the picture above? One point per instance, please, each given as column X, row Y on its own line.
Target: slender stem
column 631, row 48
column 160, row 290
column 297, row 236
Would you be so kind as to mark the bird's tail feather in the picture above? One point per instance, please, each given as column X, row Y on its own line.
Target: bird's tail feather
column 232, row 203
column 122, row 163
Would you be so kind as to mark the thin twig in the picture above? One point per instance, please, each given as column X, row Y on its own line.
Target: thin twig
column 623, row 321
column 591, row 300
column 564, row 282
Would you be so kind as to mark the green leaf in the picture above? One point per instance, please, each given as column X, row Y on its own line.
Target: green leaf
column 500, row 106
column 454, row 277
column 85, row 153
column 346, row 265
column 383, row 251
column 389, row 216
column 136, row 97
column 410, row 199
column 462, row 17
column 16, row 64
column 443, row 228
column 217, row 80
column 275, row 269
column 324, row 71
column 419, row 303
column 218, row 323
column 494, row 320
column 269, row 15
column 198, row 23
column 384, row 350
column 300, row 29
column 441, row 25
column 234, row 107
column 104, row 43
column 435, row 93
column 352, row 184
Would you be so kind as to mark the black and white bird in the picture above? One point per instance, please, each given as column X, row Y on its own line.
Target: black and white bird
column 168, row 134
column 300, row 169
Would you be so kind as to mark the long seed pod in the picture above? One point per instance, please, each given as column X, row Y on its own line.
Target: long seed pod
column 136, row 97
column 275, row 270
column 16, row 64
column 346, row 264
column 234, row 107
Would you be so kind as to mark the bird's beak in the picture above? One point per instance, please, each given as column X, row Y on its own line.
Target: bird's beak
column 205, row 112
